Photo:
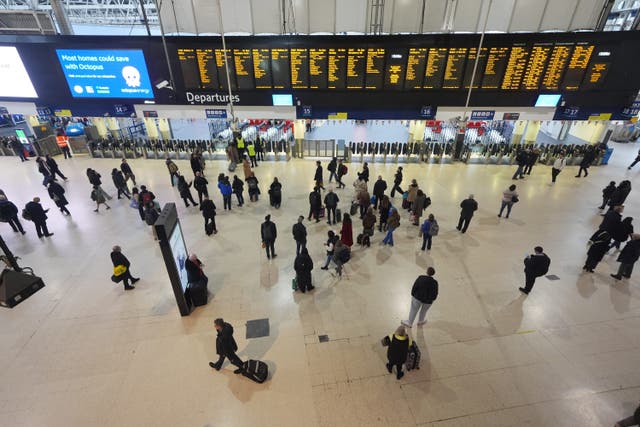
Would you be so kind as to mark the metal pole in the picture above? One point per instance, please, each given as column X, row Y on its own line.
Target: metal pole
column 475, row 64
column 164, row 45
column 424, row 5
column 226, row 67
column 144, row 17
column 10, row 258
column 62, row 18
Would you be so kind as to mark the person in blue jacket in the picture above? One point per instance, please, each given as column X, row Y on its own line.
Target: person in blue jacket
column 227, row 191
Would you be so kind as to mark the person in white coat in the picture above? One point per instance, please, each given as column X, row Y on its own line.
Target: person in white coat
column 557, row 167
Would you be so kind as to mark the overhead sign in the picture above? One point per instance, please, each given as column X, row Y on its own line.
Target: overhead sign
column 148, row 113
column 510, row 116
column 216, row 113
column 482, row 114
column 428, row 112
column 307, row 111
column 14, row 79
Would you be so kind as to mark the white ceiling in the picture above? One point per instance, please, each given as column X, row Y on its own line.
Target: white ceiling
column 400, row 16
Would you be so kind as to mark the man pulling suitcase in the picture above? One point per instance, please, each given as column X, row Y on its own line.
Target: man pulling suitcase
column 226, row 346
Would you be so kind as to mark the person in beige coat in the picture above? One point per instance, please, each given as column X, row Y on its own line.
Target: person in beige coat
column 246, row 167
column 413, row 191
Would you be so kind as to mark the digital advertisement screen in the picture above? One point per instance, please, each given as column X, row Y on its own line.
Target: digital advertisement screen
column 179, row 251
column 14, row 79
column 105, row 73
column 548, row 100
column 282, row 100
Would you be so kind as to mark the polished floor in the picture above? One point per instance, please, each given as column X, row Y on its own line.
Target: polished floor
column 81, row 352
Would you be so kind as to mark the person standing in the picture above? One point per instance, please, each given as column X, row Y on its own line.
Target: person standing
column 598, row 246
column 418, row 206
column 398, row 345
column 393, row 222
column 521, row 160
column 56, row 192
column 225, row 189
column 269, row 233
column 423, row 293
column 226, row 346
column 428, row 229
column 635, row 161
column 607, row 192
column 259, row 149
column 119, row 261
column 379, row 188
column 208, row 209
column 317, row 177
column 342, row 171
column 185, row 192
column 364, row 201
column 246, row 168
column 200, row 184
column 412, row 193
column 9, row 214
column 150, row 217
column 364, row 175
column 612, row 219
column 38, row 216
column 620, row 195
column 332, row 167
column 368, row 225
column 128, row 173
column 509, row 197
column 532, row 159
column 120, row 183
column 397, row 180
column 588, row 158
column 332, row 239
column 63, row 143
column 173, row 171
column 196, row 166
column 315, row 204
column 145, row 198
column 299, row 232
column 628, row 257
column 346, row 233
column 98, row 196
column 18, row 148
column 303, row 265
column 53, row 167
column 468, row 206
column 254, row 190
column 251, row 150
column 331, row 203
column 275, row 193
column 238, row 189
column 557, row 167
column 622, row 232
column 384, row 209
column 535, row 265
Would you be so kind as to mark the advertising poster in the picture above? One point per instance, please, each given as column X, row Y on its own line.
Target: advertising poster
column 179, row 251
column 14, row 79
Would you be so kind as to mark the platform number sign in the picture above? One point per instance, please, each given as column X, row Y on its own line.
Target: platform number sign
column 482, row 114
column 307, row 111
column 632, row 111
column 428, row 112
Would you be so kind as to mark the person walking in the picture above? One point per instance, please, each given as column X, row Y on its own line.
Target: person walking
column 468, row 206
column 397, row 180
column 299, row 232
column 332, row 239
column 521, row 160
column 185, row 192
column 628, row 257
column 96, row 181
column 332, row 167
column 341, row 255
column 398, row 345
column 621, row 233
column 393, row 222
column 98, row 196
column 173, row 171
column 633, row 420
column 557, row 167
column 226, row 347
column 317, row 177
column 509, row 197
column 331, row 203
column 428, row 229
column 315, row 204
column 195, row 164
column 275, row 193
column 598, row 246
column 418, row 206
column 342, row 171
column 254, row 190
column 588, row 158
column 251, row 150
column 412, row 193
column 423, row 293
column 364, row 175
column 612, row 219
column 635, row 161
column 238, row 189
column 121, row 269
column 384, row 209
column 535, row 265
column 208, row 209
column 226, row 191
column 53, row 167
column 56, row 192
column 303, row 265
column 269, row 233
column 532, row 159
column 9, row 214
column 120, row 183
column 607, row 192
column 200, row 184
column 45, row 170
column 128, row 173
column 346, row 233
column 38, row 215
column 379, row 188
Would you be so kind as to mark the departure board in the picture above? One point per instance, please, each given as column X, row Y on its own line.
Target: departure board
column 595, row 75
column 557, row 64
column 207, row 69
column 318, row 62
column 516, row 67
column 454, row 71
column 375, row 68
column 356, row 65
column 221, row 58
column 536, row 66
column 243, row 61
column 497, row 58
column 262, row 68
column 280, row 68
column 416, row 62
column 337, row 68
column 434, row 71
column 471, row 59
column 189, row 67
column 577, row 66
column 396, row 63
column 299, row 68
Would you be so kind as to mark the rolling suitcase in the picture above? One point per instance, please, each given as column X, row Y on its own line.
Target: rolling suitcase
column 338, row 215
column 413, row 358
column 255, row 370
column 198, row 292
column 321, row 212
column 232, row 166
column 354, row 209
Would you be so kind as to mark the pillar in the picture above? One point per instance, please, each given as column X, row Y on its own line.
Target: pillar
column 532, row 132
column 518, row 131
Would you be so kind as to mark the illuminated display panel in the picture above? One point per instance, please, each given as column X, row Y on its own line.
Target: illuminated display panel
column 396, row 63
column 207, row 69
column 516, row 67
column 222, row 73
column 471, row 59
column 596, row 74
column 536, row 66
column 337, row 68
column 356, row 68
column 556, row 66
column 416, row 63
column 375, row 68
column 577, row 66
column 189, row 67
column 497, row 59
column 243, row 61
column 318, row 63
column 299, row 68
column 262, row 68
column 280, row 68
column 434, row 70
column 454, row 71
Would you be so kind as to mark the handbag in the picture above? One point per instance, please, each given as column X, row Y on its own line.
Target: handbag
column 385, row 341
column 294, row 283
column 514, row 199
column 134, row 203
column 264, row 245
column 119, row 270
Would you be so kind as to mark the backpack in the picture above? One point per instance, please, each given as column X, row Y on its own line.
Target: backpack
column 345, row 256
column 252, row 184
column 26, row 215
column 344, row 170
column 434, row 229
column 544, row 269
column 150, row 217
column 146, row 198
column 427, row 202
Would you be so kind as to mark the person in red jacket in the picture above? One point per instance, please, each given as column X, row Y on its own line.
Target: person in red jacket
column 346, row 233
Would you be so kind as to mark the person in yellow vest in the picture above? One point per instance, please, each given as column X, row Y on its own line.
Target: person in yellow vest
column 251, row 149
column 240, row 144
column 63, row 143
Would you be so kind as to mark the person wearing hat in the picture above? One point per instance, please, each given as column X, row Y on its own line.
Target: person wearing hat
column 268, row 232
column 119, row 261
column 226, row 346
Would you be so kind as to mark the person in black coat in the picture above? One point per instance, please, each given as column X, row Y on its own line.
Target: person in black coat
column 588, row 158
column 269, row 233
column 226, row 346
column 607, row 192
column 120, row 183
column 535, row 265
column 200, row 184
column 423, row 293
column 195, row 274
column 637, row 159
column 521, row 160
column 379, row 188
column 53, row 167
column 303, row 266
column 145, row 197
column 238, row 189
column 598, row 246
column 128, row 173
column 628, row 257
column 208, row 209
column 468, row 206
column 196, row 166
column 45, row 170
column 38, row 216
column 317, row 177
column 18, row 148
column 117, row 258
column 315, row 204
column 9, row 213
column 398, row 345
column 275, row 193
column 332, row 167
column 331, row 203
column 56, row 192
column 299, row 232
column 364, row 175
column 612, row 219
column 622, row 232
column 96, row 181
column 185, row 192
column 397, row 180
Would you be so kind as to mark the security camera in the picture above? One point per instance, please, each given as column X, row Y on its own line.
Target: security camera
column 164, row 84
